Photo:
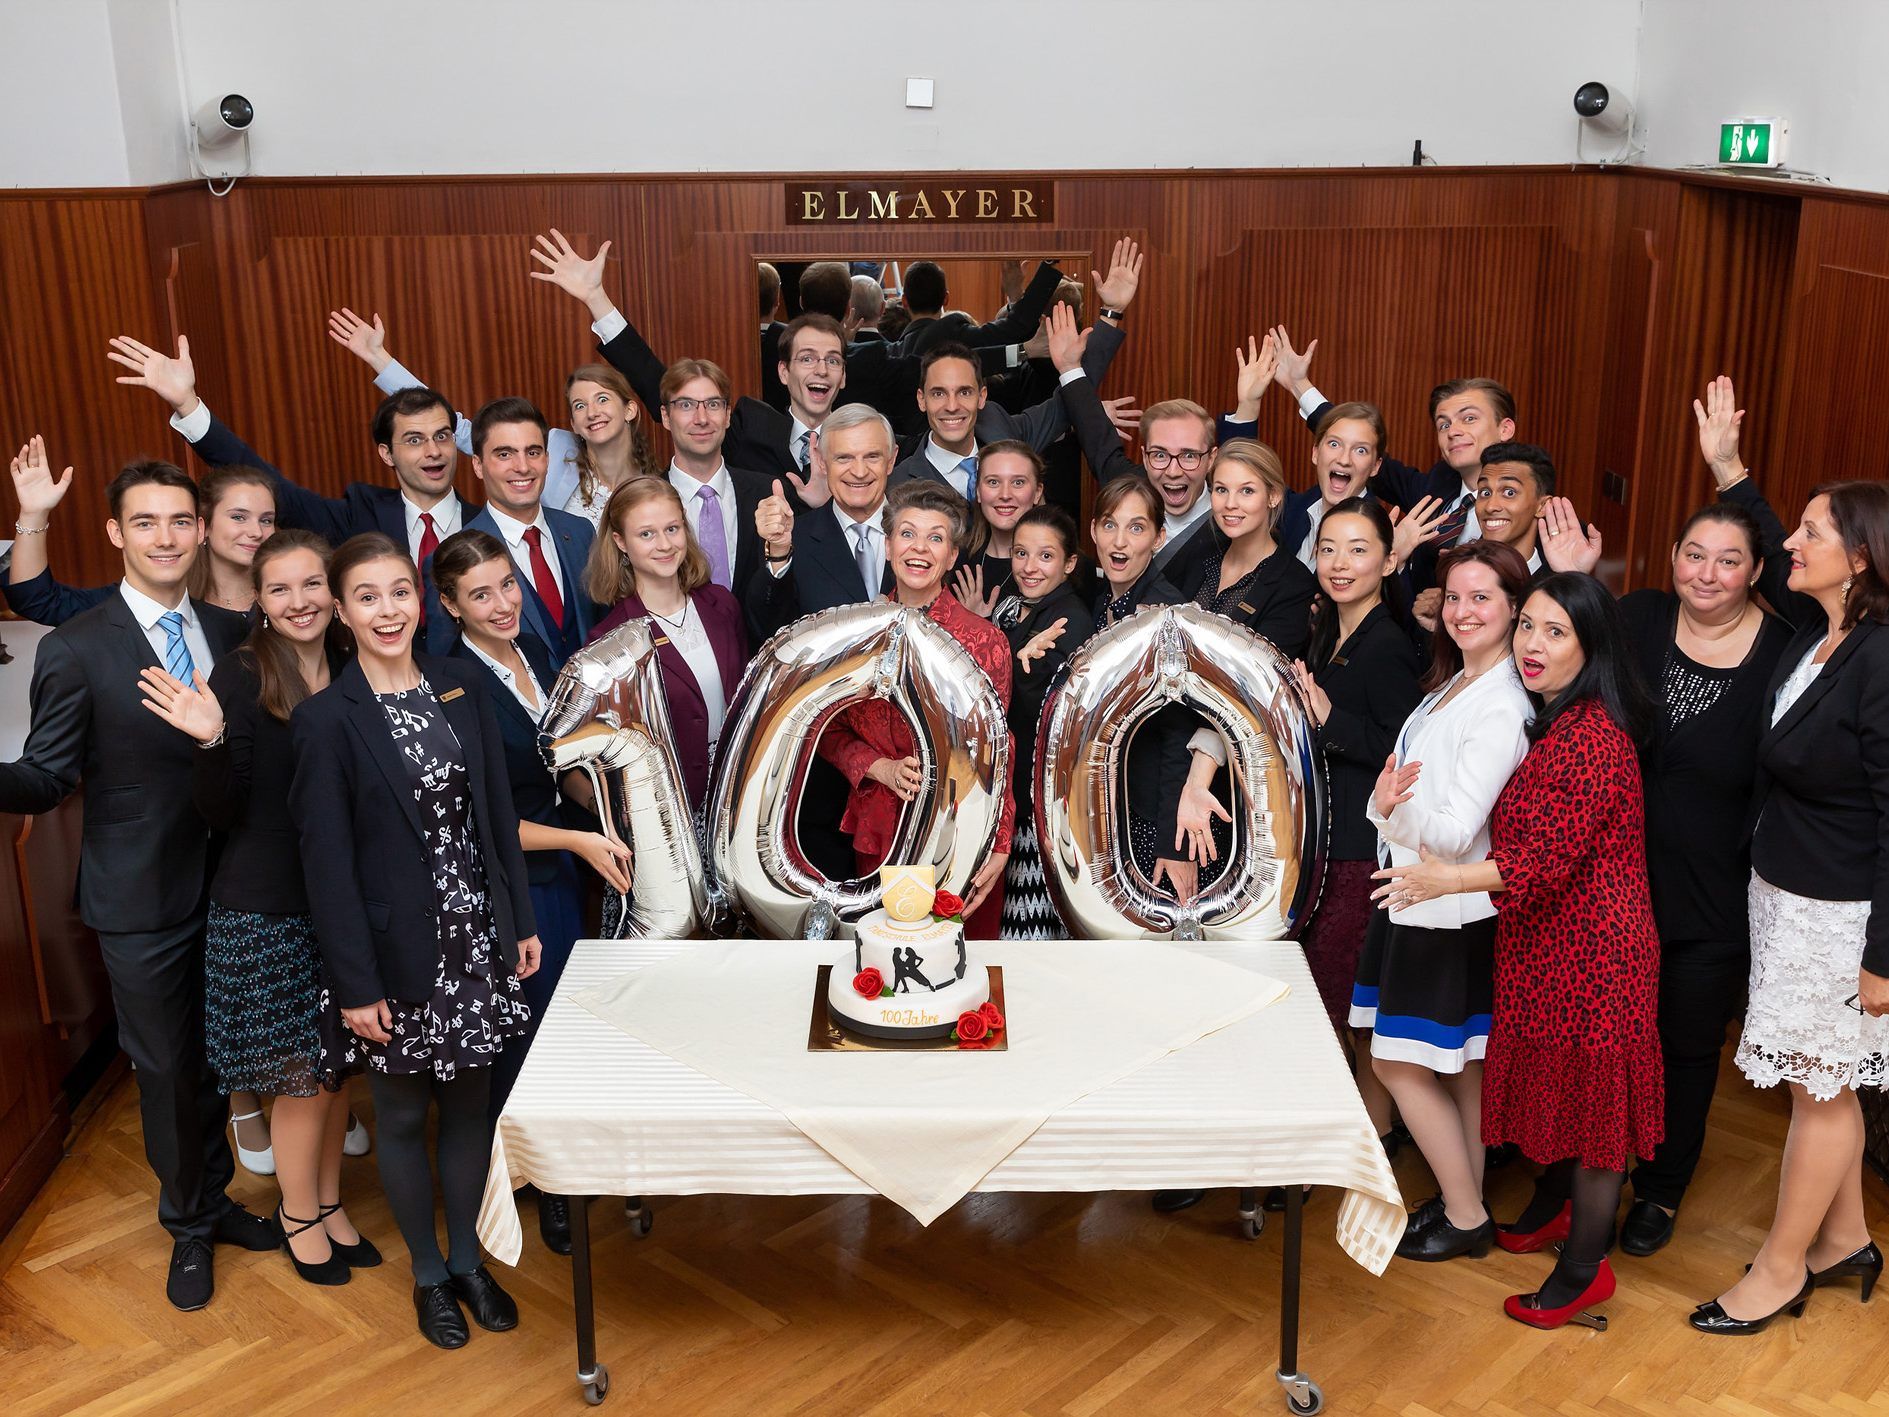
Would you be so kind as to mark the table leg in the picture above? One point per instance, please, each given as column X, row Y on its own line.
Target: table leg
column 1302, row 1394
column 592, row 1376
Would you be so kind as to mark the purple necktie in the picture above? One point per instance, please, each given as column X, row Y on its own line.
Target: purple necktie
column 714, row 538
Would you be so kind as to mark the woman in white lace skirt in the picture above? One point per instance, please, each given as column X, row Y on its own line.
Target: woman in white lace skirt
column 1818, row 1018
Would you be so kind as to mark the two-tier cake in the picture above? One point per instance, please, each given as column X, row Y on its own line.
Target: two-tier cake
column 908, row 974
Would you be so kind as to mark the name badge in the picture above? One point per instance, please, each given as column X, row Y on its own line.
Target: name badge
column 1246, row 608
column 452, row 694
column 660, row 640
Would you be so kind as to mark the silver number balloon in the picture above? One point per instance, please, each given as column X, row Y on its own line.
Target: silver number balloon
column 609, row 717
column 1240, row 685
column 804, row 675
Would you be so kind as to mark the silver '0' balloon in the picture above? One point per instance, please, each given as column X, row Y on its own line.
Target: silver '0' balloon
column 609, row 718
column 1240, row 685
column 802, row 677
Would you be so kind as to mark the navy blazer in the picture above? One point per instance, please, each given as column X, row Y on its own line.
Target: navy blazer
column 573, row 535
column 534, row 792
column 369, row 870
column 822, row 576
column 46, row 601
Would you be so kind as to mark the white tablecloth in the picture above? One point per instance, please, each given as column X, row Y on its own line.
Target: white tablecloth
column 1266, row 1101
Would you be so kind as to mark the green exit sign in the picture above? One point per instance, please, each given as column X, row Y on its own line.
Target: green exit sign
column 1752, row 142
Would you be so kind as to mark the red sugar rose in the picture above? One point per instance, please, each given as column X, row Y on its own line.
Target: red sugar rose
column 946, row 905
column 992, row 1018
column 868, row 983
column 971, row 1027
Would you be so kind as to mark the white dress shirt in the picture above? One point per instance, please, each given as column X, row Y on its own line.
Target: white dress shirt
column 691, row 641
column 875, row 535
column 533, row 711
column 947, row 464
column 147, row 612
column 448, row 514
column 1177, row 527
column 1314, row 517
column 513, row 533
column 689, row 487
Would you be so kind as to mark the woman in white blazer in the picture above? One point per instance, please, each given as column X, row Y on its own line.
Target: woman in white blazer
column 1426, row 979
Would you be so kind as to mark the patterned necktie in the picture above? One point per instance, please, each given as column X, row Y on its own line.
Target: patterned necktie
column 714, row 537
column 802, row 454
column 863, row 558
column 429, row 536
column 969, row 468
column 177, row 661
column 544, row 578
column 1454, row 523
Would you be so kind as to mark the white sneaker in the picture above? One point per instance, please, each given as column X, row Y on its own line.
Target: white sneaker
column 261, row 1162
column 358, row 1142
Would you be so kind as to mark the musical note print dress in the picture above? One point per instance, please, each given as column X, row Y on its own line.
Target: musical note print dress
column 477, row 1003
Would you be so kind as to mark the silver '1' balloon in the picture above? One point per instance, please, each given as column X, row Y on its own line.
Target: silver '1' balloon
column 1240, row 685
column 803, row 676
column 609, row 717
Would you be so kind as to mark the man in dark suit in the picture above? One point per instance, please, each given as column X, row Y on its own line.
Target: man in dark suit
column 720, row 500
column 863, row 310
column 549, row 548
column 932, row 324
column 142, row 861
column 773, row 391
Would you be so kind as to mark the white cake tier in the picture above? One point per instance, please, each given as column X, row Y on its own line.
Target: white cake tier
column 911, row 957
column 918, row 1013
column 927, row 967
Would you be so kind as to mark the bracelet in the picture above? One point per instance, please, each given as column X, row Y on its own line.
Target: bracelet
column 19, row 529
column 1109, row 312
column 217, row 741
column 776, row 560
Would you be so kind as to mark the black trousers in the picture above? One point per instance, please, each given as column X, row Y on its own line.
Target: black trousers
column 1701, row 989
column 157, row 989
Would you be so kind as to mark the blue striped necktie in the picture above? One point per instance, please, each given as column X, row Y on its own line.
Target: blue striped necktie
column 177, row 661
column 969, row 468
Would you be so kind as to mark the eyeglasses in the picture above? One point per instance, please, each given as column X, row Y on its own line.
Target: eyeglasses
column 819, row 361
column 687, row 406
column 1159, row 458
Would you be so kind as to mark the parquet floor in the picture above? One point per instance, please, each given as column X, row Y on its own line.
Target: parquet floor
column 1078, row 1305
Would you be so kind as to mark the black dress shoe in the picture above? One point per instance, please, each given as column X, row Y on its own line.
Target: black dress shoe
column 238, row 1227
column 361, row 1254
column 492, row 1309
column 331, row 1271
column 192, row 1280
column 441, row 1322
column 1865, row 1263
column 1423, row 1217
column 1167, row 1202
column 554, row 1223
column 1443, row 1241
column 1494, row 1158
column 1646, row 1229
column 1712, row 1318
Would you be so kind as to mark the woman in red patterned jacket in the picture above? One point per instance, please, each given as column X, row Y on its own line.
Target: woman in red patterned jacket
column 926, row 525
column 1573, row 1075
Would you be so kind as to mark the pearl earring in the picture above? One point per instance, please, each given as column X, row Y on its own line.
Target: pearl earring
column 265, row 622
column 1847, row 582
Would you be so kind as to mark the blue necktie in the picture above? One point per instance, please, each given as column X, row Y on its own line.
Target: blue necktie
column 969, row 468
column 177, row 661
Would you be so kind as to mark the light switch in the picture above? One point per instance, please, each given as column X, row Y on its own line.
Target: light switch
column 918, row 93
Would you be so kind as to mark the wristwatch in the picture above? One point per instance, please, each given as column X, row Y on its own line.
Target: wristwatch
column 1110, row 313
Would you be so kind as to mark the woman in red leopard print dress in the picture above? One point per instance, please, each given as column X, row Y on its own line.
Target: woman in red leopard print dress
column 1573, row 1074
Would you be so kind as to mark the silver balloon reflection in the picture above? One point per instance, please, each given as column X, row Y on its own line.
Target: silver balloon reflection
column 609, row 718
column 804, row 675
column 1240, row 685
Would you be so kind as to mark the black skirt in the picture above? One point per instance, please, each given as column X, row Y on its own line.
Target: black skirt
column 1426, row 995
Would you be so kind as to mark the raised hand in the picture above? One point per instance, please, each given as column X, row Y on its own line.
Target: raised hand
column 814, row 489
column 1258, row 364
column 571, row 273
column 1040, row 644
column 172, row 379
column 1066, row 343
column 1719, row 420
column 1423, row 522
column 1010, row 281
column 1564, row 546
column 35, row 486
column 968, row 587
column 1294, row 373
column 774, row 522
column 1395, row 785
column 367, row 343
column 1117, row 289
column 193, row 710
column 1123, row 413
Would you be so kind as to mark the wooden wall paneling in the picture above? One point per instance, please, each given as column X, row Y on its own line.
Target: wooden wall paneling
column 33, row 1116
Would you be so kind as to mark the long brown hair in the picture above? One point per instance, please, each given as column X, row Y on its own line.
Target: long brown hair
column 641, row 463
column 1860, row 513
column 609, row 576
column 277, row 670
column 217, row 484
column 1511, row 571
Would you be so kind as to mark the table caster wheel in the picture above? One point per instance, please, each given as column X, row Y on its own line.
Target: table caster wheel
column 1302, row 1394
column 1252, row 1226
column 642, row 1222
column 598, row 1387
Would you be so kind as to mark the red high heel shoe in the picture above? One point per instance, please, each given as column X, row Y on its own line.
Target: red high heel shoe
column 1601, row 1289
column 1526, row 1242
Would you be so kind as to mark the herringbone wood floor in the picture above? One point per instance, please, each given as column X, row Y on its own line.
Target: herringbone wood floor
column 1069, row 1304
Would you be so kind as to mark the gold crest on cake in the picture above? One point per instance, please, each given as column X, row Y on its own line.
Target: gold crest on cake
column 906, row 893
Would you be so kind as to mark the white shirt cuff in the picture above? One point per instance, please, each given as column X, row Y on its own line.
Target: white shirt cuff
column 1069, row 376
column 1210, row 742
column 610, row 326
column 195, row 424
column 777, row 569
column 1309, row 401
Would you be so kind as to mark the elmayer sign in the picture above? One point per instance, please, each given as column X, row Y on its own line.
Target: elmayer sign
column 971, row 202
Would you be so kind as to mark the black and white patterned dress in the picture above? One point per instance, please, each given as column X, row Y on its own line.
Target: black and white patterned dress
column 477, row 1003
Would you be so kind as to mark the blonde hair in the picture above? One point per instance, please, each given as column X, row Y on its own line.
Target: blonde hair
column 609, row 576
column 1263, row 463
column 641, row 463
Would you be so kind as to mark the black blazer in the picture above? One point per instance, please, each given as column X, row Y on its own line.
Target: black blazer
column 534, row 792
column 1372, row 684
column 1277, row 605
column 143, row 853
column 822, row 576
column 1820, row 811
column 751, row 489
column 1028, row 690
column 241, row 786
column 370, row 873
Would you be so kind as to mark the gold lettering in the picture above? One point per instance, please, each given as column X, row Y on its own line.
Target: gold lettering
column 811, row 207
column 842, row 213
column 953, row 198
column 922, row 204
column 1024, row 203
column 986, row 204
column 886, row 207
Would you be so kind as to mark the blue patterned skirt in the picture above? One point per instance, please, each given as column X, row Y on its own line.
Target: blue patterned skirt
column 269, row 1025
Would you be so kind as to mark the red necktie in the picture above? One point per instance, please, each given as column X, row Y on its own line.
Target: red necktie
column 543, row 577
column 429, row 536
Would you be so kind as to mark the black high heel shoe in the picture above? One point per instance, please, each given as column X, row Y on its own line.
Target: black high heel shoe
column 333, row 1270
column 1866, row 1262
column 361, row 1254
column 1712, row 1318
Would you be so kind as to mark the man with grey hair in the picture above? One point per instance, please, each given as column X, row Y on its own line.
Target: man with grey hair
column 864, row 310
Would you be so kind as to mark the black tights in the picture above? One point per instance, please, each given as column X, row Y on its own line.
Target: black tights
column 1596, row 1198
column 406, row 1172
